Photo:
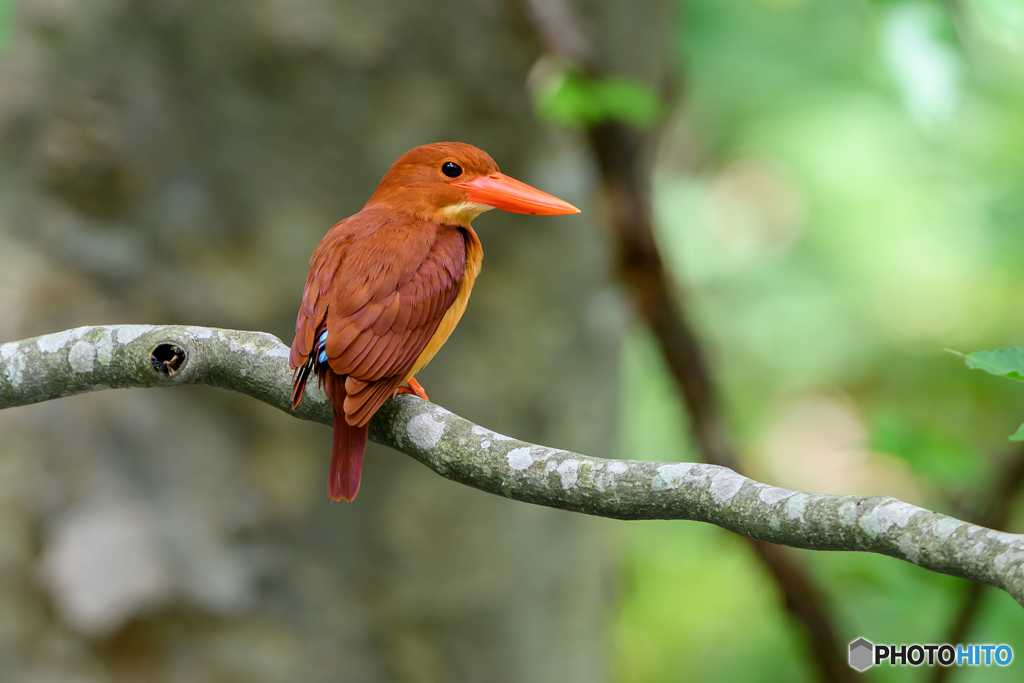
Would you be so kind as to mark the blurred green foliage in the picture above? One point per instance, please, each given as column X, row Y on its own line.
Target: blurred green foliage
column 568, row 98
column 843, row 199
column 5, row 22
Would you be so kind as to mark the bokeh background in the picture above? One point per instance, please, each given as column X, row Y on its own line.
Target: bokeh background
column 839, row 190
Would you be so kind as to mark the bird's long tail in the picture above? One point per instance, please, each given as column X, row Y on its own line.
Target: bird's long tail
column 349, row 442
column 346, row 459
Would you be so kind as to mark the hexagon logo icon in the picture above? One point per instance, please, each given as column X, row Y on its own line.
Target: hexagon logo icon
column 862, row 654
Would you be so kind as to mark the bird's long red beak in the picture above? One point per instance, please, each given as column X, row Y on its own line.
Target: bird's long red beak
column 508, row 194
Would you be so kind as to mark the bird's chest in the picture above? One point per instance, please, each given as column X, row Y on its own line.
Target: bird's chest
column 474, row 261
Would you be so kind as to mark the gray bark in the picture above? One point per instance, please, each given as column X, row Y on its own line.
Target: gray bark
column 178, row 160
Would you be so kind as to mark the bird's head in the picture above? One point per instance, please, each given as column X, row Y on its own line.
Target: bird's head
column 452, row 182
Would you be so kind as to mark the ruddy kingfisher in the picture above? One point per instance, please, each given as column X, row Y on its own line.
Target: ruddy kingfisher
column 387, row 286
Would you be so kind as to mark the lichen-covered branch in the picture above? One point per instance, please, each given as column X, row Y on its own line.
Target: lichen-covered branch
column 255, row 363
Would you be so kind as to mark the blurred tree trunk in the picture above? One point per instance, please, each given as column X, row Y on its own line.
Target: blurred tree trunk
column 177, row 161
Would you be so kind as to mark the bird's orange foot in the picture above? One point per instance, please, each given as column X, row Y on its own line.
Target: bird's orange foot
column 414, row 388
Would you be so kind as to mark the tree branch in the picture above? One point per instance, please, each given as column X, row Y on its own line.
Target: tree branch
column 255, row 363
column 618, row 149
column 995, row 511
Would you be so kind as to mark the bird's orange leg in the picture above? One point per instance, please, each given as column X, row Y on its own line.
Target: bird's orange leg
column 414, row 388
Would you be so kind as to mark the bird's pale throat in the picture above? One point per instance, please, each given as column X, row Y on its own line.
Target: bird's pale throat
column 463, row 212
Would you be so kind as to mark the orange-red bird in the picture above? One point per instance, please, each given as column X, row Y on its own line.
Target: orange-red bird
column 388, row 285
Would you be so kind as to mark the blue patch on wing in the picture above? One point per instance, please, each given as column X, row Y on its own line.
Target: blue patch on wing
column 320, row 350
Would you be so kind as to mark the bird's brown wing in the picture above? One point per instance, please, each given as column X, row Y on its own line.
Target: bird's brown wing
column 379, row 285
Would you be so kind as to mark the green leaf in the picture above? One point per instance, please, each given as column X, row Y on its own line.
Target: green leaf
column 1004, row 362
column 1018, row 435
column 569, row 98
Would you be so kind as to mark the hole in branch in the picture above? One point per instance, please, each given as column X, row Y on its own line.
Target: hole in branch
column 168, row 358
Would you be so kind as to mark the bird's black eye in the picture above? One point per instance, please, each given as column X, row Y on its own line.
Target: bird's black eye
column 451, row 169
